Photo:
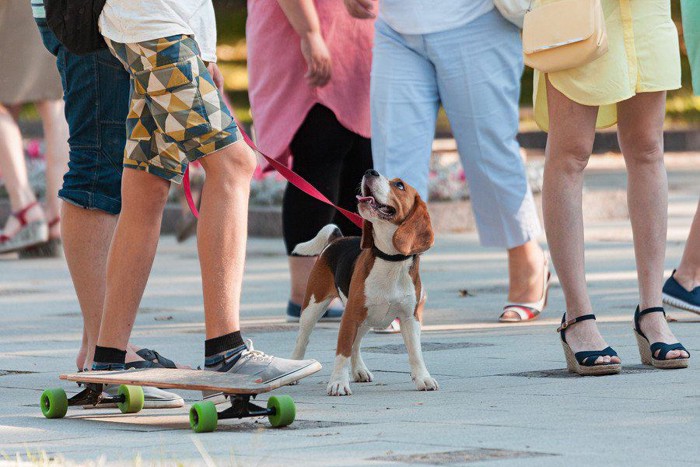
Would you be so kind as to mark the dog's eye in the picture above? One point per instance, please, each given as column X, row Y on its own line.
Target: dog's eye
column 399, row 185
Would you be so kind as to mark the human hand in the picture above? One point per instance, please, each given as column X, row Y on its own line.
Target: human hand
column 216, row 75
column 318, row 59
column 360, row 9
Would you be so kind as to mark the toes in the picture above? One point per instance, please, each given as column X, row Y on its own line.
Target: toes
column 363, row 376
column 338, row 389
column 510, row 315
column 427, row 383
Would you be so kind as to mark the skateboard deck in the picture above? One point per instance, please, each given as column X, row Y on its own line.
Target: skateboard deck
column 166, row 378
column 204, row 416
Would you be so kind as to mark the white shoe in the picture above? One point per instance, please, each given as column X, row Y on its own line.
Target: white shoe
column 529, row 311
column 153, row 398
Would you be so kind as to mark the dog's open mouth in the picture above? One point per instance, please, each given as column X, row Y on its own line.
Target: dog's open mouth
column 383, row 210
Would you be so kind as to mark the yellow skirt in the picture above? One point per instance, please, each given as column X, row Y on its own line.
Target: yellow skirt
column 643, row 56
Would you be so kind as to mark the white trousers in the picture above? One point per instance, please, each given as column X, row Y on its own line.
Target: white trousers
column 474, row 71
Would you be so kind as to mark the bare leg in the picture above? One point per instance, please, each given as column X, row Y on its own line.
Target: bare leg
column 56, row 136
column 14, row 171
column 569, row 145
column 640, row 131
column 525, row 271
column 688, row 272
column 222, row 233
column 299, row 271
column 131, row 255
column 86, row 256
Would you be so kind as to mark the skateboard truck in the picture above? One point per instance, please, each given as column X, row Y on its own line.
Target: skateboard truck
column 241, row 407
column 280, row 411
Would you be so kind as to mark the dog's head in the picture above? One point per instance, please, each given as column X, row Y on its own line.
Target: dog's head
column 393, row 209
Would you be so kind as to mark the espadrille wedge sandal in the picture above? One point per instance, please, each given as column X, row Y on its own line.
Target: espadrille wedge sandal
column 647, row 350
column 583, row 362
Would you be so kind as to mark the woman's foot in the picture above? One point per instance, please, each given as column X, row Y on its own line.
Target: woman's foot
column 584, row 336
column 655, row 328
column 24, row 228
column 527, row 270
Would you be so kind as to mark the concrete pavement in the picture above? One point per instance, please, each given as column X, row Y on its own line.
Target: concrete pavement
column 505, row 397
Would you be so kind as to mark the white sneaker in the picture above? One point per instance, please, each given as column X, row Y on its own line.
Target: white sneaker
column 153, row 398
column 264, row 368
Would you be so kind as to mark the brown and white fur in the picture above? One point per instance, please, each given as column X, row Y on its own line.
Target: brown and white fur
column 376, row 290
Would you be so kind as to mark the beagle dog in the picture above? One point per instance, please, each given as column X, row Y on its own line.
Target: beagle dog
column 376, row 277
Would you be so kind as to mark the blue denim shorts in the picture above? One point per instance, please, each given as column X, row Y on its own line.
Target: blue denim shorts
column 96, row 92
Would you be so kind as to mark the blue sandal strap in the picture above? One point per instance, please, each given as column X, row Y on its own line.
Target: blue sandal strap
column 588, row 357
column 565, row 324
column 664, row 349
column 638, row 314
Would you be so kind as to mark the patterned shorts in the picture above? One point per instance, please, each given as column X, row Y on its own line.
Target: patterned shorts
column 176, row 114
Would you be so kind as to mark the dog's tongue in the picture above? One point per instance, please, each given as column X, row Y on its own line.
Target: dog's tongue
column 365, row 199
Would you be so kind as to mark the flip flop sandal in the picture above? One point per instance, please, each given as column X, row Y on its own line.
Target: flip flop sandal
column 154, row 357
column 647, row 350
column 393, row 328
column 29, row 234
column 584, row 363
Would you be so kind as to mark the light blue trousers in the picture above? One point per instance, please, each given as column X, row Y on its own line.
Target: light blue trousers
column 474, row 71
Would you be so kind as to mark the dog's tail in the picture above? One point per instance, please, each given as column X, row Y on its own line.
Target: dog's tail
column 315, row 246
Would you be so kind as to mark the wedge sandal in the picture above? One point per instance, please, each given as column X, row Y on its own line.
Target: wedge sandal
column 30, row 233
column 583, row 363
column 647, row 350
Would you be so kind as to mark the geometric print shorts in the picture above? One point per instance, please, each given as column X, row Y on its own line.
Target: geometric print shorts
column 176, row 113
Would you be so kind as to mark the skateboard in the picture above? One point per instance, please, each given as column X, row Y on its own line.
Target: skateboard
column 204, row 417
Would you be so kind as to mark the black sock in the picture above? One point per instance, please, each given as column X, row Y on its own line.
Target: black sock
column 107, row 358
column 223, row 351
column 222, row 343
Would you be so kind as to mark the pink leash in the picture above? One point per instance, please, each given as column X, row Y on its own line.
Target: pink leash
column 291, row 176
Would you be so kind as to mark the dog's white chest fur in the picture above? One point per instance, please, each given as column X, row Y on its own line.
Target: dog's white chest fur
column 389, row 292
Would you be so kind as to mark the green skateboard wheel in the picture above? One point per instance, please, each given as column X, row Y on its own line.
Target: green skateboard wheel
column 133, row 398
column 54, row 403
column 284, row 411
column 203, row 417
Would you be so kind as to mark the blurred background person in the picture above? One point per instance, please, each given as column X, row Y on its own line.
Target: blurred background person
column 28, row 75
column 309, row 68
column 464, row 55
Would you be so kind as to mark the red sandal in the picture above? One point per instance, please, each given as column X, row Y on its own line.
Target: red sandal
column 30, row 233
column 52, row 248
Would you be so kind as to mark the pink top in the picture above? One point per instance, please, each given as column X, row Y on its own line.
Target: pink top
column 280, row 98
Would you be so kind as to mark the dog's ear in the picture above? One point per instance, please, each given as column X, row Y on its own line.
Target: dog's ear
column 415, row 234
column 367, row 235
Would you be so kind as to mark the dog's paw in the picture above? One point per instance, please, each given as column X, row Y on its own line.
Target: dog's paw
column 426, row 383
column 339, row 388
column 362, row 375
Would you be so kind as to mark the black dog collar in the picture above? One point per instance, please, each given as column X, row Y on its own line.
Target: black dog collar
column 393, row 258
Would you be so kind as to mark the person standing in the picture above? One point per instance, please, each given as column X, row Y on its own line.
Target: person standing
column 176, row 116
column 464, row 55
column 309, row 66
column 96, row 95
column 28, row 75
column 682, row 289
column 627, row 86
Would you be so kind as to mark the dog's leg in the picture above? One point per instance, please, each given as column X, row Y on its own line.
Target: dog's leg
column 309, row 317
column 410, row 330
column 360, row 372
column 354, row 315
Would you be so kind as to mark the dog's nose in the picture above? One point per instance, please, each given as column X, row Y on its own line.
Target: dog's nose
column 371, row 173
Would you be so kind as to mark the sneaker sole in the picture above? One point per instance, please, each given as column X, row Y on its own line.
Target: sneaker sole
column 678, row 303
column 290, row 378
